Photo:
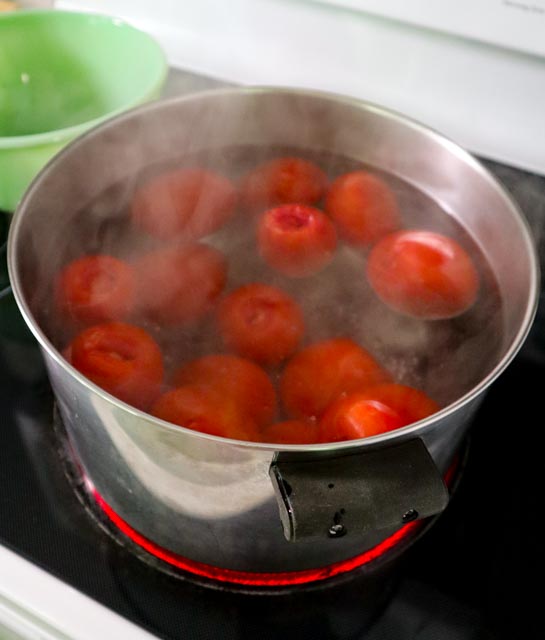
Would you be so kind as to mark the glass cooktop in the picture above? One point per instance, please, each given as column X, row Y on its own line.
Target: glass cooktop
column 474, row 575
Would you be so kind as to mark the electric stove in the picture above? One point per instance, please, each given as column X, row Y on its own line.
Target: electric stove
column 474, row 574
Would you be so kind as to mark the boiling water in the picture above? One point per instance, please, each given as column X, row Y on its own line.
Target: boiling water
column 444, row 358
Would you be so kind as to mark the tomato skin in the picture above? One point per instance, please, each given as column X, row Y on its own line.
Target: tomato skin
column 296, row 240
column 95, row 288
column 410, row 403
column 238, row 379
column 363, row 208
column 321, row 372
column 202, row 408
column 261, row 322
column 291, row 432
column 356, row 416
column 283, row 181
column 185, row 203
column 179, row 285
column 423, row 274
column 122, row 359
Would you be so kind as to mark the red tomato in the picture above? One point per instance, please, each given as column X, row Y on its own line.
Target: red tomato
column 291, row 432
column 240, row 380
column 320, row 373
column 423, row 274
column 296, row 240
column 185, row 203
column 410, row 403
column 363, row 207
column 356, row 416
column 122, row 359
column 94, row 289
column 178, row 285
column 261, row 322
column 283, row 181
column 204, row 409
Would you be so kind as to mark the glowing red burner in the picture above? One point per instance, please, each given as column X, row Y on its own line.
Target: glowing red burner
column 281, row 579
column 255, row 579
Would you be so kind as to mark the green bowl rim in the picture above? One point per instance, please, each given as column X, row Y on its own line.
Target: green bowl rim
column 58, row 135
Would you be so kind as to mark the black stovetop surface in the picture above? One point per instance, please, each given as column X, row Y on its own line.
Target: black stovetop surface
column 475, row 574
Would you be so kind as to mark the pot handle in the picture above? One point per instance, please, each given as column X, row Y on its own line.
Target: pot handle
column 357, row 493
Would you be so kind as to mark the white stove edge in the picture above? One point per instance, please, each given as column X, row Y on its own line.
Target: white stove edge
column 517, row 24
column 34, row 605
column 488, row 99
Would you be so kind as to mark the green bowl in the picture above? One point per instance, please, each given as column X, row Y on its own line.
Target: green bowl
column 61, row 73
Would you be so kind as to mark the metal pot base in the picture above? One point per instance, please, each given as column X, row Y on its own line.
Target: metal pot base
column 368, row 566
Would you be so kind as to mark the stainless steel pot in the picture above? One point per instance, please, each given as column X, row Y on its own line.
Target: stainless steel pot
column 217, row 501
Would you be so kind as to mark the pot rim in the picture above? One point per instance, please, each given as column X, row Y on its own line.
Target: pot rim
column 412, row 430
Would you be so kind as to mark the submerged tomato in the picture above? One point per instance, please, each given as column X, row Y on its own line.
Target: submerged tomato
column 122, row 359
column 177, row 285
column 283, row 181
column 296, row 240
column 261, row 322
column 291, row 432
column 423, row 274
column 185, row 203
column 363, row 207
column 320, row 373
column 238, row 380
column 203, row 408
column 356, row 416
column 408, row 402
column 94, row 289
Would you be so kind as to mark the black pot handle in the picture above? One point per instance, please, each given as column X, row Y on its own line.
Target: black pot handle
column 356, row 493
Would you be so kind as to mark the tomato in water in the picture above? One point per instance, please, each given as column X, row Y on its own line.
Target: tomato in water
column 179, row 285
column 261, row 322
column 237, row 379
column 185, row 203
column 283, row 181
column 318, row 374
column 363, row 208
column 122, row 359
column 423, row 274
column 95, row 288
column 296, row 240
column 203, row 408
column 410, row 403
column 356, row 416
column 291, row 432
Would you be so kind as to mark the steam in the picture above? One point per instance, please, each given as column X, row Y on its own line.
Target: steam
column 86, row 211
